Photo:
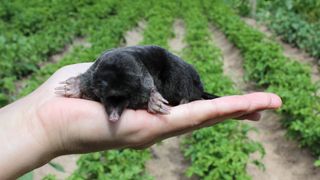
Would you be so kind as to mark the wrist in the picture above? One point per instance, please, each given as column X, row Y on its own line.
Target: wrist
column 25, row 145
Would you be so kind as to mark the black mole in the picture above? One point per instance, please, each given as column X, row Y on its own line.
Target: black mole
column 137, row 77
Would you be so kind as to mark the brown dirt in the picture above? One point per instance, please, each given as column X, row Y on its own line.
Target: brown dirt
column 177, row 43
column 68, row 162
column 168, row 162
column 284, row 159
column 135, row 35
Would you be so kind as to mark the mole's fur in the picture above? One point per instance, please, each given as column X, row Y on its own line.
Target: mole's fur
column 137, row 77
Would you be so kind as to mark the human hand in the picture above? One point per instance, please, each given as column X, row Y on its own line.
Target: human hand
column 62, row 125
column 78, row 125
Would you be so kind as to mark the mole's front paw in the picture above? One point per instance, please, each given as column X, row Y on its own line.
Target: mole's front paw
column 69, row 88
column 157, row 104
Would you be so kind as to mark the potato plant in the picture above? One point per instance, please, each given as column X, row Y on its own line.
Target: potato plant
column 265, row 64
column 222, row 151
column 293, row 29
column 31, row 32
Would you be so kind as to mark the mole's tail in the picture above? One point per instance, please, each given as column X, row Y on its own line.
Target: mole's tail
column 206, row 95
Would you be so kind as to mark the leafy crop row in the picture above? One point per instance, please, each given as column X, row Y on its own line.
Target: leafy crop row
column 222, row 151
column 286, row 20
column 265, row 64
column 160, row 20
column 293, row 29
column 307, row 9
column 33, row 31
column 242, row 7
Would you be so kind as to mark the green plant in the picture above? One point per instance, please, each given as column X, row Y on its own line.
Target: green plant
column 49, row 177
column 293, row 29
column 243, row 7
column 103, row 26
column 120, row 164
column 308, row 9
column 265, row 64
column 222, row 151
column 29, row 39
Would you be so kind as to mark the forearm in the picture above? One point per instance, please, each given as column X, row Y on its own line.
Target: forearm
column 23, row 144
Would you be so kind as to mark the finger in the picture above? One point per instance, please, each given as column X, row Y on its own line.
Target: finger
column 60, row 93
column 199, row 113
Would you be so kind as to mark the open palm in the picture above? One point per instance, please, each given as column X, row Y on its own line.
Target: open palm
column 77, row 125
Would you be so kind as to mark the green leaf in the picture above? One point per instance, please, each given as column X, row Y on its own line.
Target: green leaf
column 28, row 176
column 57, row 166
column 317, row 163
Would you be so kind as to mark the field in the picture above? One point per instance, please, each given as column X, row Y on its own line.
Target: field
column 237, row 46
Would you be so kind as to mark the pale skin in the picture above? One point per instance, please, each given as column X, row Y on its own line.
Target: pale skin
column 43, row 125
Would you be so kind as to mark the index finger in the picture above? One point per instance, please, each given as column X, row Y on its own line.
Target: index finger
column 207, row 112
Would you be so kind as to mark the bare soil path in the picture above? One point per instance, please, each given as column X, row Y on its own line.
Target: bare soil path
column 168, row 162
column 284, row 160
column 135, row 35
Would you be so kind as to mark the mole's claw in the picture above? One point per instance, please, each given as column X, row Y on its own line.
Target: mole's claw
column 70, row 88
column 164, row 109
column 164, row 100
column 60, row 88
column 160, row 98
column 62, row 82
column 150, row 110
column 59, row 93
column 157, row 104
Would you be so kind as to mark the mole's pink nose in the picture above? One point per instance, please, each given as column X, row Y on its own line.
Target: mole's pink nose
column 114, row 116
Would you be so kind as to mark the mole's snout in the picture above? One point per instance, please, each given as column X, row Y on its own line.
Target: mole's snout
column 114, row 116
column 114, row 111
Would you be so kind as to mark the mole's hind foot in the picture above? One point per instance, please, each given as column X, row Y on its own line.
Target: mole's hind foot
column 69, row 88
column 157, row 104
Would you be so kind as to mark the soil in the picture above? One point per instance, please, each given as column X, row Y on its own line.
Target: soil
column 68, row 162
column 177, row 44
column 168, row 162
column 284, row 159
column 135, row 35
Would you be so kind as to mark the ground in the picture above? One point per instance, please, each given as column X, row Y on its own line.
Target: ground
column 284, row 159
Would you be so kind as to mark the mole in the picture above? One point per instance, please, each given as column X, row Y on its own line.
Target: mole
column 137, row 77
